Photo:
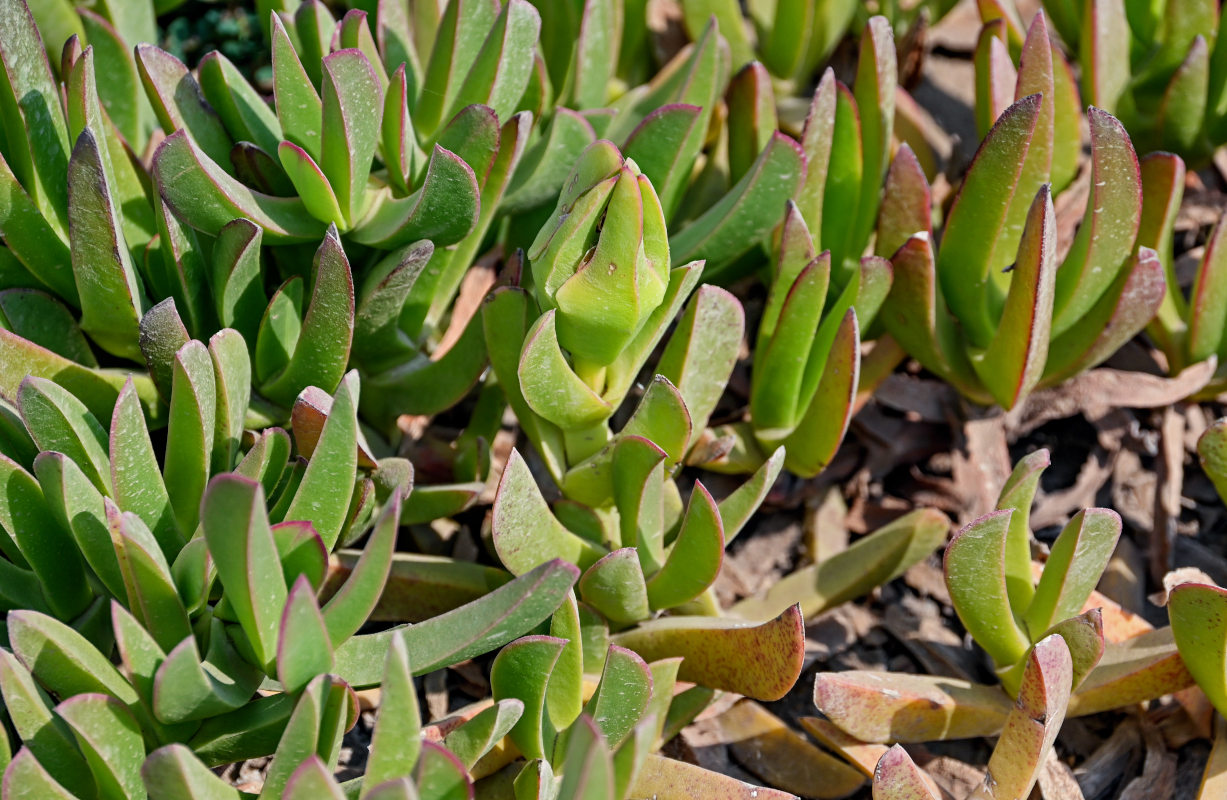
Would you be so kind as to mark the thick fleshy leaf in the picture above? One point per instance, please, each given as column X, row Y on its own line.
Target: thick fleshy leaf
column 500, row 70
column 1013, row 361
column 186, row 687
column 893, row 707
column 667, row 779
column 818, row 433
column 352, row 605
column 761, row 661
column 874, row 560
column 151, row 590
column 752, row 118
column 996, row 75
column 1018, row 495
column 112, row 300
column 458, row 37
column 874, row 88
column 193, row 421
column 975, row 574
column 59, row 422
column 440, row 774
column 906, row 208
column 817, row 140
column 205, row 197
column 1126, row 308
column 1105, row 64
column 521, row 671
column 110, row 739
column 40, row 542
column 322, row 498
column 43, row 320
column 1197, row 619
column 322, row 348
column 1163, row 177
column 1182, row 112
column 615, row 587
column 1212, row 452
column 395, row 741
column 747, row 213
column 695, row 557
column 1207, row 300
column 1135, row 670
column 1105, row 240
column 33, row 119
column 665, row 146
column 1079, row 557
column 27, row 779
column 781, row 359
column 244, row 113
column 173, row 773
column 1033, row 723
column 352, row 101
column 443, row 210
column 526, row 534
column 896, row 777
column 241, row 542
column 378, row 340
column 979, row 215
column 43, row 733
column 178, row 102
column 470, row 630
column 78, row 506
column 483, row 732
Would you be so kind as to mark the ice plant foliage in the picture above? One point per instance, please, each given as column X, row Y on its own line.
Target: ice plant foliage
column 1160, row 67
column 1015, row 619
column 230, row 318
column 993, row 310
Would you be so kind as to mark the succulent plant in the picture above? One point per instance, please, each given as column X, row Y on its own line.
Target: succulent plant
column 993, row 311
column 1188, row 329
column 205, row 573
column 598, row 743
column 1025, row 742
column 989, row 574
column 1157, row 66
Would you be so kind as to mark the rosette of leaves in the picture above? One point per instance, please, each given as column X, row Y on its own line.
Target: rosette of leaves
column 392, row 132
column 205, row 573
column 112, row 29
column 646, row 554
column 596, row 742
column 1025, row 742
column 568, row 354
column 401, row 762
column 720, row 184
column 993, row 311
column 803, row 404
column 990, row 577
column 1188, row 328
column 1161, row 67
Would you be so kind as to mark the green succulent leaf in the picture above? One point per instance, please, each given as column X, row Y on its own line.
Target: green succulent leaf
column 467, row 631
column 526, row 534
column 1013, row 362
column 758, row 660
column 1079, row 557
column 1197, row 620
column 749, row 211
column 236, row 527
column 615, row 587
column 174, row 772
